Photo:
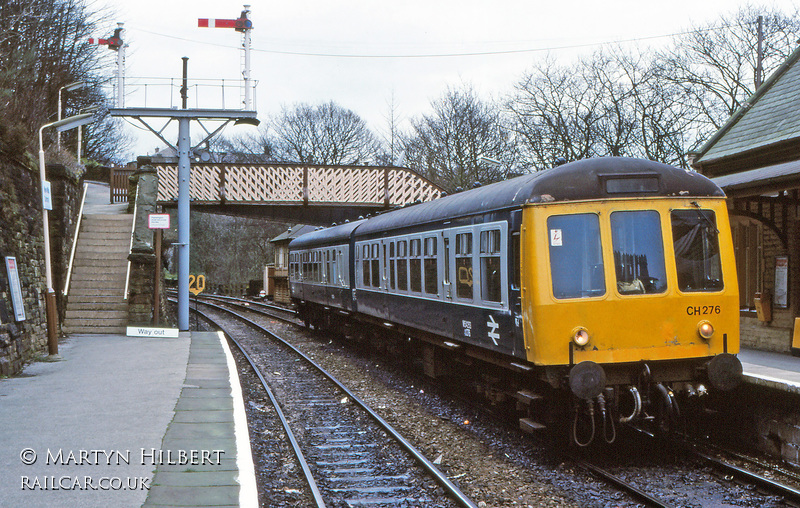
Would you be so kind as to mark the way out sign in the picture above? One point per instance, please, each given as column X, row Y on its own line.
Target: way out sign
column 158, row 221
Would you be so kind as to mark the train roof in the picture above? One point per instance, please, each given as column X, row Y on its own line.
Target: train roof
column 597, row 178
column 326, row 236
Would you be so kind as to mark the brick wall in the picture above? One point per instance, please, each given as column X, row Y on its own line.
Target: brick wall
column 775, row 334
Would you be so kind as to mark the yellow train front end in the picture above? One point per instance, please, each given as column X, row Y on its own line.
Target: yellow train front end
column 632, row 302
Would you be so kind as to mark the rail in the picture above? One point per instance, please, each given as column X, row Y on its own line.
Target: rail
column 75, row 240
column 459, row 497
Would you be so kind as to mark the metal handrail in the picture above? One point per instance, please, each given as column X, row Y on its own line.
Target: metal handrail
column 75, row 240
column 130, row 248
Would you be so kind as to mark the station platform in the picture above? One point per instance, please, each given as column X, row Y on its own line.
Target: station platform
column 127, row 421
column 780, row 371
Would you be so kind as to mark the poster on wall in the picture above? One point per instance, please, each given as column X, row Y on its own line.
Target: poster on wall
column 16, row 291
column 781, row 281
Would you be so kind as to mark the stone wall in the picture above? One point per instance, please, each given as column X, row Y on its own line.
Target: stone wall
column 21, row 237
column 143, row 255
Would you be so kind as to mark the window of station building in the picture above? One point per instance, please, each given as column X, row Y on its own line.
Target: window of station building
column 697, row 256
column 491, row 280
column 402, row 265
column 638, row 252
column 576, row 257
column 415, row 262
column 430, row 266
column 464, row 265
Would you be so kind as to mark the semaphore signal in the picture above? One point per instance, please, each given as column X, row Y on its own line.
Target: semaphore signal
column 244, row 25
column 116, row 43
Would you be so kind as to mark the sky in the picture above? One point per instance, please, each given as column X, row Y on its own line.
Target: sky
column 372, row 56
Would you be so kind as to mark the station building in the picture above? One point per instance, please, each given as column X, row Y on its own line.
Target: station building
column 279, row 273
column 755, row 159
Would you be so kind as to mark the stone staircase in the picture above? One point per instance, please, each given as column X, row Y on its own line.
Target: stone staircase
column 95, row 298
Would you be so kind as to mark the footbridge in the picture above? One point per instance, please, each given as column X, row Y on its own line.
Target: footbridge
column 310, row 194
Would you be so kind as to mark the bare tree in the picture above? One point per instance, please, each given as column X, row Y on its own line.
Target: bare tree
column 231, row 250
column 716, row 64
column 44, row 46
column 256, row 146
column 391, row 137
column 464, row 141
column 556, row 112
column 324, row 134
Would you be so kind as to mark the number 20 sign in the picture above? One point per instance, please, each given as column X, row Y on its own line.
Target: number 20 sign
column 197, row 283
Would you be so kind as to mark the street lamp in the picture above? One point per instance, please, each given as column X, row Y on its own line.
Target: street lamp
column 50, row 297
column 69, row 88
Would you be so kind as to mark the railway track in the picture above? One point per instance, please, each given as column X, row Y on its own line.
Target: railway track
column 710, row 484
column 349, row 454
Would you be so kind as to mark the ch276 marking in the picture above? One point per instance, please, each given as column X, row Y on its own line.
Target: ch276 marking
column 703, row 310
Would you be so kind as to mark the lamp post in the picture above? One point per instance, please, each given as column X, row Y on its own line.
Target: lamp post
column 69, row 88
column 50, row 296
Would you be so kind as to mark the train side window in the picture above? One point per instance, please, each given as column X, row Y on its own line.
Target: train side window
column 576, row 257
column 430, row 267
column 375, row 265
column 697, row 255
column 342, row 268
column 415, row 263
column 365, row 267
column 464, row 265
column 638, row 252
column 392, row 265
column 402, row 265
column 328, row 268
column 491, row 281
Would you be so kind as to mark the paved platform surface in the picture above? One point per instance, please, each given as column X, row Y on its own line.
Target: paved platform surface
column 125, row 422
column 774, row 370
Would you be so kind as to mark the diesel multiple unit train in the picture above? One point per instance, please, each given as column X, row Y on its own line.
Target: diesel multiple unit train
column 604, row 287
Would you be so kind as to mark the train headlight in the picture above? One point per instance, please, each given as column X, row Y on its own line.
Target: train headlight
column 580, row 336
column 705, row 329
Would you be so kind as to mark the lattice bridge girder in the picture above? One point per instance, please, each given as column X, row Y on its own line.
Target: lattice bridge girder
column 297, row 185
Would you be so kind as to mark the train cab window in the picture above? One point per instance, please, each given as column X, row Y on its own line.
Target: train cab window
column 576, row 257
column 697, row 255
column 415, row 263
column 430, row 267
column 491, row 281
column 638, row 252
column 464, row 265
column 402, row 265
